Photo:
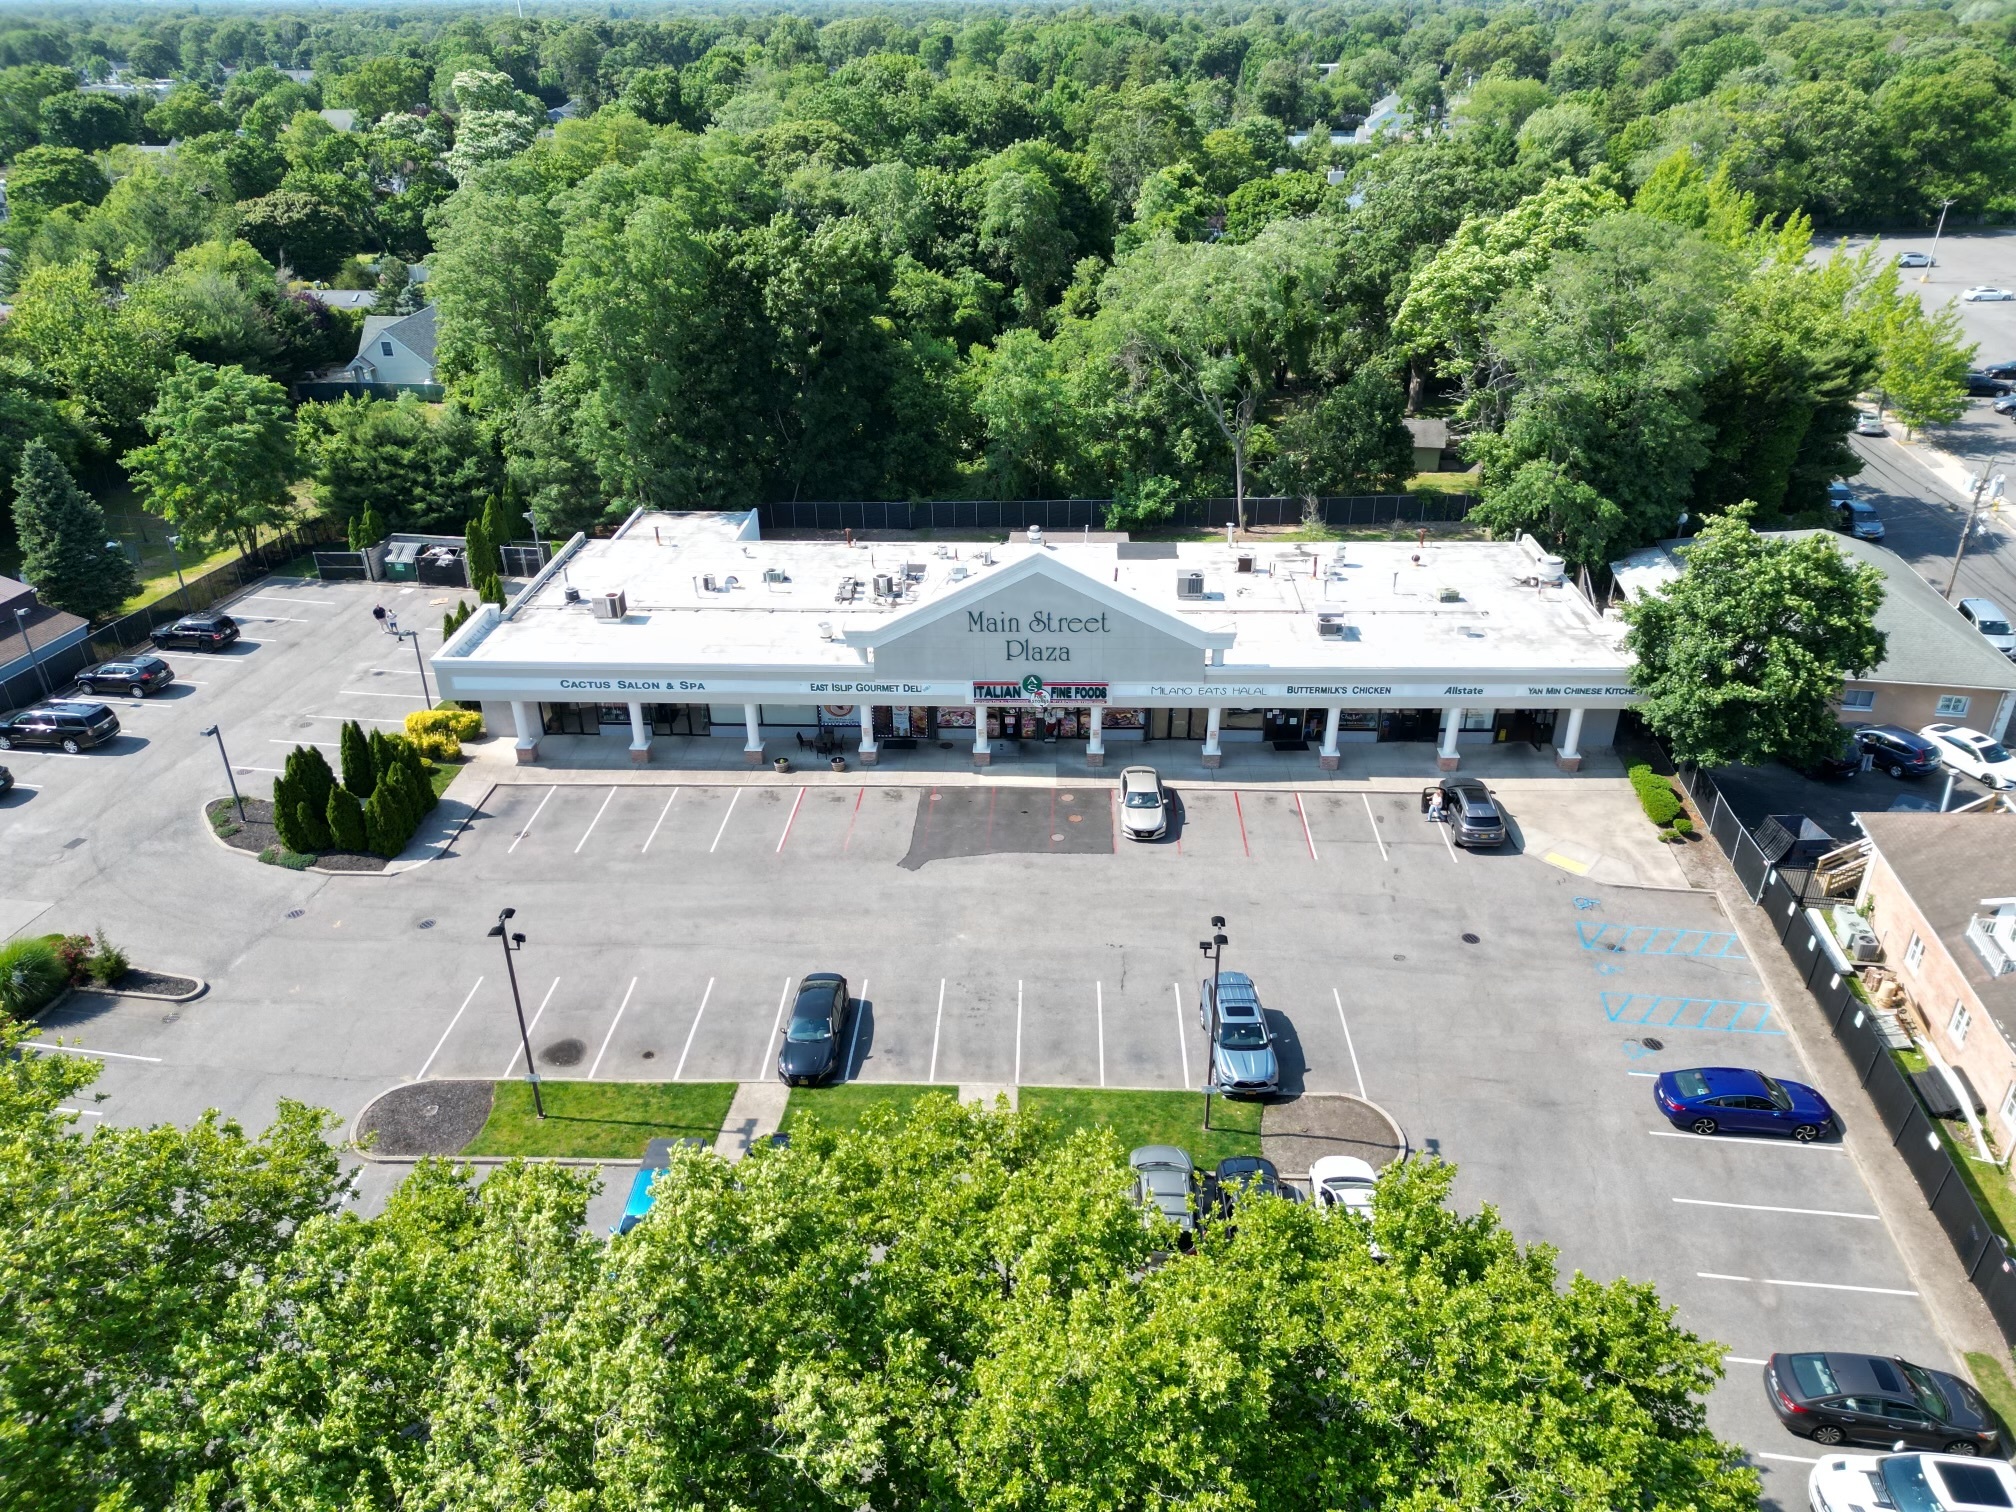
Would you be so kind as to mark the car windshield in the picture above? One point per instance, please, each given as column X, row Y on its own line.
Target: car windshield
column 1691, row 1083
column 1904, row 1478
column 1780, row 1098
column 803, row 1029
column 1142, row 798
column 1923, row 1387
column 1242, row 1037
column 1991, row 751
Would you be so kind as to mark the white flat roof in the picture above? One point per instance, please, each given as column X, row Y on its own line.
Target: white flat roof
column 1447, row 606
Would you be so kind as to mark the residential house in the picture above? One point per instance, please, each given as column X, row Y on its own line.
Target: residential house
column 32, row 633
column 395, row 352
column 1386, row 115
column 1431, row 444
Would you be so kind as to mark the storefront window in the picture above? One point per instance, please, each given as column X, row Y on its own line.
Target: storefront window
column 1241, row 719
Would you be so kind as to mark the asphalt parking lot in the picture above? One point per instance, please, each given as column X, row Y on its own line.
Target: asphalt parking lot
column 1966, row 258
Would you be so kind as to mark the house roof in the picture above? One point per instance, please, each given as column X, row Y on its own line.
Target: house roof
column 1429, row 433
column 342, row 120
column 1927, row 643
column 414, row 332
column 46, row 627
column 346, row 299
column 1949, row 863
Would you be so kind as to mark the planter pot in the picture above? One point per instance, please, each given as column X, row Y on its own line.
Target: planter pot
column 839, row 763
column 781, row 764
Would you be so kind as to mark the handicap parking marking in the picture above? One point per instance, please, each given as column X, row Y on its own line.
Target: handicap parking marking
column 1716, row 1014
column 1661, row 940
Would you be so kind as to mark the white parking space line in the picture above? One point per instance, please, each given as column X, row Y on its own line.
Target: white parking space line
column 1307, row 837
column 27, row 787
column 593, row 822
column 327, row 745
column 1874, row 1291
column 421, row 1075
column 724, row 820
column 1099, row 1005
column 532, row 821
column 854, row 1039
column 357, row 719
column 1182, row 1034
column 153, row 1060
column 1018, row 1026
column 789, row 821
column 1748, row 1139
column 1349, row 1044
column 361, row 693
column 1764, row 1207
column 80, row 1112
column 937, row 1025
column 776, row 1025
column 661, row 819
column 275, row 770
column 1447, row 843
column 1373, row 820
column 1642, row 1073
column 619, row 1019
column 520, row 1049
column 1792, row 1459
column 275, row 619
column 291, row 599
column 1744, row 1360
column 681, row 1069
column 394, row 671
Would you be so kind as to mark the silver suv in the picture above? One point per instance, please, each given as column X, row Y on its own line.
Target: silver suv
column 1242, row 1049
column 1985, row 615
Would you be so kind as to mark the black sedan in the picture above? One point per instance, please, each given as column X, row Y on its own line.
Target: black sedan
column 62, row 725
column 198, row 632
column 138, row 675
column 811, row 1049
column 1240, row 1178
column 1872, row 1399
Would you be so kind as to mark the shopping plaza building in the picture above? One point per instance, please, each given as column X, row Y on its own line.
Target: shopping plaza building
column 693, row 626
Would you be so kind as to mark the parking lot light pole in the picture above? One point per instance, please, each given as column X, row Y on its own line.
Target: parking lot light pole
column 1214, row 952
column 21, row 619
column 414, row 636
column 1933, row 255
column 513, row 943
column 229, row 775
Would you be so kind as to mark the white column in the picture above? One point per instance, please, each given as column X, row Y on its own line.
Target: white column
column 640, row 735
column 1568, row 750
column 1446, row 757
column 1328, row 759
column 752, row 746
column 869, row 754
column 1095, row 739
column 1211, row 752
column 525, row 719
column 983, row 754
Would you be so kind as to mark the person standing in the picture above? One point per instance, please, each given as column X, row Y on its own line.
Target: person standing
column 378, row 614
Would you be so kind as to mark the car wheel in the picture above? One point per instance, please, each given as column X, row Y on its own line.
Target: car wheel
column 6, row 743
column 1806, row 1133
column 1826, row 1434
column 70, row 748
column 86, row 687
column 1703, row 1126
column 1964, row 1446
column 1894, row 770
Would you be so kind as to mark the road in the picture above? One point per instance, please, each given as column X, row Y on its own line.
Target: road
column 1923, row 515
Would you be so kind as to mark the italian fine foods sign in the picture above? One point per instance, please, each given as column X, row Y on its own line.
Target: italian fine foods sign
column 1034, row 690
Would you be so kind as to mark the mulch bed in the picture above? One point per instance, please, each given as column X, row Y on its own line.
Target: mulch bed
column 426, row 1118
column 1296, row 1133
column 137, row 979
column 257, row 834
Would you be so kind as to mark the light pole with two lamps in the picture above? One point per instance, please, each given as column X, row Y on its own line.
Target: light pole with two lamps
column 1214, row 952
column 513, row 943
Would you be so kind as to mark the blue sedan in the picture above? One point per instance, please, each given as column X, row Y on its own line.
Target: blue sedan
column 656, row 1162
column 1717, row 1099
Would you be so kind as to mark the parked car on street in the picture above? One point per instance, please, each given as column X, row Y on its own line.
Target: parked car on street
column 198, row 632
column 811, row 1049
column 1144, row 804
column 1898, row 751
column 1241, row 1178
column 1858, row 517
column 1736, row 1100
column 1988, row 292
column 1467, row 807
column 1869, row 423
column 1987, row 616
column 1845, row 760
column 1242, row 1050
column 657, row 1160
column 1916, row 260
column 1836, row 1398
column 61, row 724
column 1981, row 386
column 1952, row 1484
column 1979, row 756
column 1165, row 1181
column 138, row 675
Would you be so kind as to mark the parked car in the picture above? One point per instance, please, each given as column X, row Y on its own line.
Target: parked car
column 1834, row 1398
column 1925, row 1481
column 1896, row 750
column 138, row 675
column 1467, row 807
column 1735, row 1100
column 1242, row 1054
column 1999, row 369
column 1144, row 805
column 1240, row 1178
column 2006, row 405
column 1987, row 292
column 811, row 1049
column 1981, row 386
column 1858, row 517
column 1839, row 493
column 657, row 1160
column 198, row 632
column 1916, row 260
column 1845, row 760
column 1979, row 756
column 1869, row 423
column 1165, row 1181
column 1985, row 615
column 6, row 780
column 61, row 724
column 1345, row 1184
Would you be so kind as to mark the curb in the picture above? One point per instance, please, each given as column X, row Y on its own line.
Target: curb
column 393, row 868
column 158, row 997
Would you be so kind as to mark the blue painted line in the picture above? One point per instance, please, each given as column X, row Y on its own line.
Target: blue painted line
column 1661, row 940
column 1652, row 1011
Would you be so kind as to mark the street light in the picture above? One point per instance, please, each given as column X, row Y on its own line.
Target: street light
column 1933, row 255
column 1214, row 952
column 175, row 555
column 229, row 775
column 21, row 619
column 513, row 943
column 539, row 545
column 414, row 636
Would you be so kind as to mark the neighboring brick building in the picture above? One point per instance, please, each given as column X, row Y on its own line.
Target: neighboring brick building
column 1942, row 896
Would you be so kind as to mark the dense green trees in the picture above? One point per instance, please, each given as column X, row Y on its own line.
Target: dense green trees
column 65, row 554
column 222, row 454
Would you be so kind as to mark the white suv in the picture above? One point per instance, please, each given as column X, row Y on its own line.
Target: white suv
column 1985, row 615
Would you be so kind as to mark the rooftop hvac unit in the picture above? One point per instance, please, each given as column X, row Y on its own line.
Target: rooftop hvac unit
column 1330, row 627
column 959, row 574
column 708, row 584
column 610, row 606
column 776, row 575
column 1245, row 561
column 914, row 571
column 986, row 559
column 1189, row 585
column 1035, row 535
column 885, row 586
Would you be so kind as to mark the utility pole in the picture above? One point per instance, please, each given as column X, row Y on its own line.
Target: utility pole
column 1214, row 952
column 1944, row 206
column 1983, row 482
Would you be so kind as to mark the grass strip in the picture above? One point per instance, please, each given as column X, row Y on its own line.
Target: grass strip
column 606, row 1119
column 1993, row 1383
column 844, row 1106
column 1144, row 1118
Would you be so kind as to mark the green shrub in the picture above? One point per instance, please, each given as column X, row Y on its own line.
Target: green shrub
column 387, row 826
column 74, row 952
column 448, row 719
column 441, row 745
column 359, row 775
column 279, row 855
column 108, row 962
column 1655, row 795
column 31, row 974
column 345, row 818
column 1683, row 825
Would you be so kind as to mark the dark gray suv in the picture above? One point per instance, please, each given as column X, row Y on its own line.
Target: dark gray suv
column 1467, row 807
column 63, row 725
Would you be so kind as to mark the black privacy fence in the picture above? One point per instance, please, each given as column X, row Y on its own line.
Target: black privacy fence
column 130, row 631
column 1782, row 895
column 1090, row 514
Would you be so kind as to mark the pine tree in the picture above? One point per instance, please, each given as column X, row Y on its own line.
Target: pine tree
column 490, row 590
column 64, row 551
column 386, row 829
column 370, row 529
column 479, row 551
column 309, row 775
column 382, row 755
column 345, row 817
column 287, row 815
column 359, row 774
column 416, row 769
column 350, row 532
column 498, row 527
column 312, row 827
